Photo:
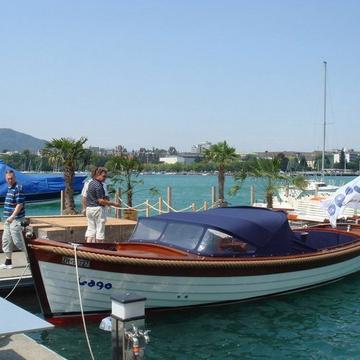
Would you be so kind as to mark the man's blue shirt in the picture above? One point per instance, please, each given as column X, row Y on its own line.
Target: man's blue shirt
column 14, row 197
column 94, row 193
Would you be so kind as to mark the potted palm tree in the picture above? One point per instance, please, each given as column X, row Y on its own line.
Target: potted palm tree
column 270, row 169
column 68, row 152
column 124, row 171
column 221, row 154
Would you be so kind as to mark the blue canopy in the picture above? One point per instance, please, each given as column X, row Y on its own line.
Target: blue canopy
column 264, row 228
column 35, row 186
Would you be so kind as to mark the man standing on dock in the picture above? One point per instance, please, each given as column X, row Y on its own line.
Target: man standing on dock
column 96, row 200
column 14, row 213
column 85, row 190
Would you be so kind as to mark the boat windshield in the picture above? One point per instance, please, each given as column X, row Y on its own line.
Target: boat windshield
column 182, row 235
column 220, row 243
column 148, row 230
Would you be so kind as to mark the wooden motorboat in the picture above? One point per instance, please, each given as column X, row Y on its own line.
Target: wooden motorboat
column 179, row 260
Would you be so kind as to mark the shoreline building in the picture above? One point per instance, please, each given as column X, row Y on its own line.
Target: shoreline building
column 181, row 158
column 349, row 156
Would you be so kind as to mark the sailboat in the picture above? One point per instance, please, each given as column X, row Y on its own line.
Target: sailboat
column 317, row 187
column 305, row 204
column 315, row 184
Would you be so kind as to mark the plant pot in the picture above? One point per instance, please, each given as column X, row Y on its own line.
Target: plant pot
column 130, row 214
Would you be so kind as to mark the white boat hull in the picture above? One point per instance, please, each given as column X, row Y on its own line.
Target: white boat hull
column 98, row 286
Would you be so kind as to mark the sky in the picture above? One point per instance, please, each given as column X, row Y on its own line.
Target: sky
column 179, row 72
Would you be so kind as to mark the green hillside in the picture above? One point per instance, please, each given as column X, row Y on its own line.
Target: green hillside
column 11, row 140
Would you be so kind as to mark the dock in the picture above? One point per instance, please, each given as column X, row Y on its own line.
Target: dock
column 71, row 228
column 21, row 273
column 20, row 346
column 14, row 344
column 65, row 228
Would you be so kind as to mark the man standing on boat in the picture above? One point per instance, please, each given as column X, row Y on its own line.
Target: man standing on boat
column 96, row 200
column 14, row 213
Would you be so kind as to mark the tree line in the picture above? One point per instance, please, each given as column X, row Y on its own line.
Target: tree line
column 69, row 155
column 27, row 161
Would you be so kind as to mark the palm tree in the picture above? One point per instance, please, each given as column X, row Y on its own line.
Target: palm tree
column 125, row 170
column 26, row 155
column 269, row 169
column 299, row 182
column 221, row 154
column 68, row 152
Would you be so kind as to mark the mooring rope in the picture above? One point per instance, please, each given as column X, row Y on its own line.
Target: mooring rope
column 80, row 301
column 200, row 209
column 174, row 210
column 148, row 205
column 17, row 283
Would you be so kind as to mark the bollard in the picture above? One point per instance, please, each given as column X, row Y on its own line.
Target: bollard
column 213, row 195
column 148, row 209
column 160, row 205
column 62, row 202
column 169, row 198
column 128, row 317
column 252, row 195
column 118, row 199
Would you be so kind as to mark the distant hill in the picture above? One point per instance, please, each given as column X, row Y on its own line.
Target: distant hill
column 12, row 140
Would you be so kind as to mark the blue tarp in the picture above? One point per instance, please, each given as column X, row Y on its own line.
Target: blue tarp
column 264, row 228
column 38, row 183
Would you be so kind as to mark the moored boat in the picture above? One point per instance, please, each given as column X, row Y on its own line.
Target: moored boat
column 180, row 260
column 39, row 188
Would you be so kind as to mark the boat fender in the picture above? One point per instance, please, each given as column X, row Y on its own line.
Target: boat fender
column 106, row 324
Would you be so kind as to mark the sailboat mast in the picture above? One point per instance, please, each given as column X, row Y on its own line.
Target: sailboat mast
column 324, row 125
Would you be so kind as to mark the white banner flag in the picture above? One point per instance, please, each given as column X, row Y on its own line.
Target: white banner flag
column 346, row 196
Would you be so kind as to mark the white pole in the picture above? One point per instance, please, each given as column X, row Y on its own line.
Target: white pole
column 324, row 130
column 117, row 199
column 147, row 208
column 169, row 198
column 62, row 202
column 160, row 205
column 252, row 195
column 213, row 195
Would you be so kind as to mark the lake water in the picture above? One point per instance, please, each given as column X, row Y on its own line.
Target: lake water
column 186, row 189
column 322, row 323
